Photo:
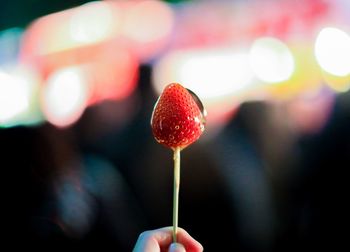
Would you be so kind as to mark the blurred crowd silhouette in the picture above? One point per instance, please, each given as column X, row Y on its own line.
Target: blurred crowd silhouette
column 256, row 185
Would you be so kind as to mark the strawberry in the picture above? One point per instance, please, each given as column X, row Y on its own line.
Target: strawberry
column 177, row 119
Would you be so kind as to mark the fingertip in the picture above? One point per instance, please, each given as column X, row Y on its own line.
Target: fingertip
column 190, row 244
column 177, row 247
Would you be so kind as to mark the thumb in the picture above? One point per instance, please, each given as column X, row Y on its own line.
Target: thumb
column 177, row 247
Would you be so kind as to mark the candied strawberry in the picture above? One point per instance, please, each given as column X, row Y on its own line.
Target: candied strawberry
column 177, row 119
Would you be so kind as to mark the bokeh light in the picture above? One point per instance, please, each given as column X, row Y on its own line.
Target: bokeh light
column 142, row 21
column 65, row 96
column 332, row 51
column 113, row 72
column 89, row 24
column 93, row 22
column 305, row 78
column 19, row 103
column 143, row 29
column 271, row 60
column 210, row 74
column 14, row 97
column 9, row 44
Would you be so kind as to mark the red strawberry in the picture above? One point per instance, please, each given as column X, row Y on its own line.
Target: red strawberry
column 177, row 119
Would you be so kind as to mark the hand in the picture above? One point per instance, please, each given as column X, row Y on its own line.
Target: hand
column 160, row 240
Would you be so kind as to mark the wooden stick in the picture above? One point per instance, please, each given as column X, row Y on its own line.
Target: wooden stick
column 176, row 190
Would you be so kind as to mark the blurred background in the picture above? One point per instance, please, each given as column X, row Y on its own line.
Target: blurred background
column 78, row 82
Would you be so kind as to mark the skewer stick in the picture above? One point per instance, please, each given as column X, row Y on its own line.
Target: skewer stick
column 176, row 190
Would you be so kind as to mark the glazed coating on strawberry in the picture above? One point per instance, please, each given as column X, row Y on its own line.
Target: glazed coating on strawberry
column 177, row 120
